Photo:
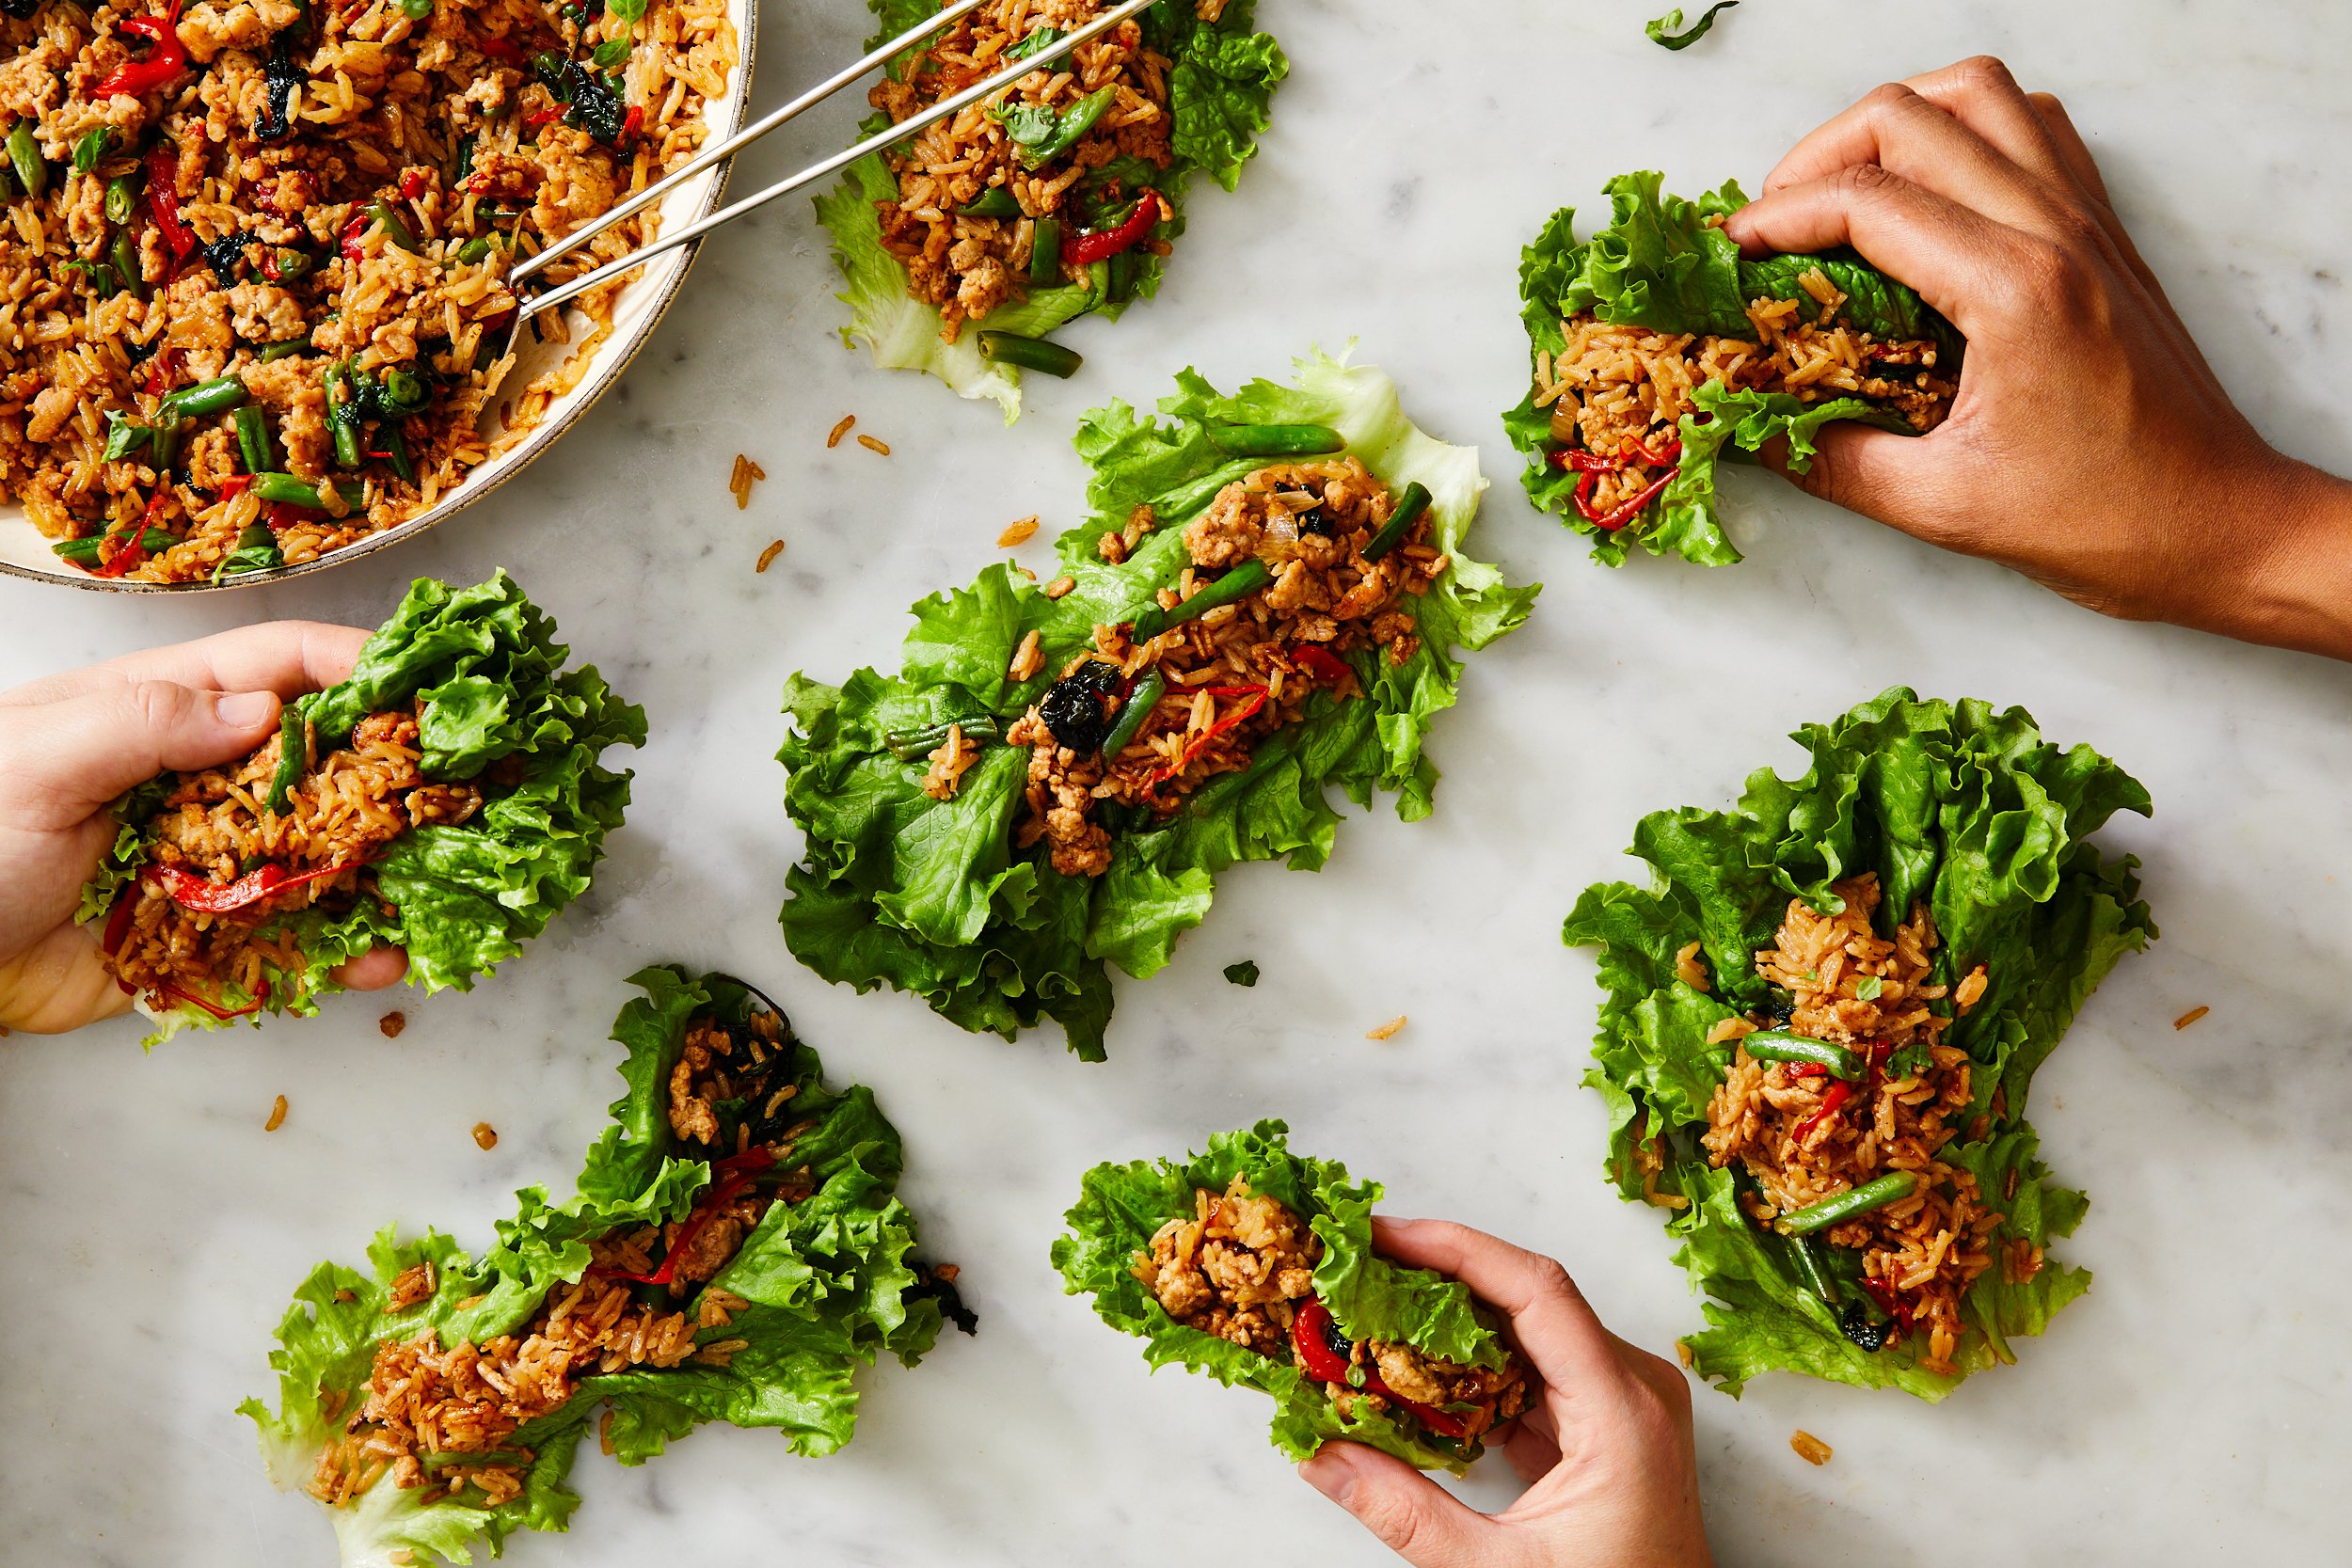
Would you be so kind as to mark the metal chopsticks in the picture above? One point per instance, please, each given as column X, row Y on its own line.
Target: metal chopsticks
column 689, row 233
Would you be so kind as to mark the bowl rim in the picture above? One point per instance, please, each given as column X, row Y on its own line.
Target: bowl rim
column 604, row 370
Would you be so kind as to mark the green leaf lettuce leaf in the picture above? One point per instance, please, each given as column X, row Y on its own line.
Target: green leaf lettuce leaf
column 486, row 676
column 1120, row 1207
column 829, row 1281
column 1955, row 805
column 930, row 896
column 1662, row 263
column 1221, row 82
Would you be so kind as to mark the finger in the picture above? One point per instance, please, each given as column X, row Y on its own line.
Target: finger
column 67, row 758
column 1981, row 95
column 1875, row 472
column 378, row 968
column 289, row 658
column 1952, row 255
column 1898, row 131
column 1414, row 1518
column 1550, row 1318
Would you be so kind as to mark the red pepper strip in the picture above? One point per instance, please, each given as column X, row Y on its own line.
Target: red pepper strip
column 1617, row 516
column 1807, row 1069
column 269, row 263
column 163, row 199
column 1887, row 1297
column 223, row 1014
column 501, row 49
column 282, row 516
column 119, row 923
column 233, row 485
column 1833, row 1100
column 355, row 231
column 1320, row 662
column 191, row 892
column 626, row 143
column 162, row 371
column 1101, row 245
column 540, row 116
column 1312, row 1332
column 133, row 551
column 745, row 1168
column 1593, row 463
column 411, row 184
column 1256, row 695
column 164, row 59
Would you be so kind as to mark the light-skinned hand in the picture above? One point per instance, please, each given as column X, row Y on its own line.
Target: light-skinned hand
column 2090, row 447
column 73, row 742
column 1604, row 1445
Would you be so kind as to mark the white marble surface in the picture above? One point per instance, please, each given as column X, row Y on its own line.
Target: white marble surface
column 2192, row 1408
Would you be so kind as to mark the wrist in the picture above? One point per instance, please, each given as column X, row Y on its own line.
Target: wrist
column 2295, row 589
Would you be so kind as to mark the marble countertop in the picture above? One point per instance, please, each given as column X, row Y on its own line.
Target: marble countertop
column 2189, row 1409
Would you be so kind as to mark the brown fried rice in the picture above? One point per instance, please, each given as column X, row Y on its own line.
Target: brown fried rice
column 1241, row 1267
column 413, row 161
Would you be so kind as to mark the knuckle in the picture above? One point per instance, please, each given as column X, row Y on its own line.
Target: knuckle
column 1550, row 1276
column 1866, row 182
column 1985, row 76
column 159, row 703
column 1398, row 1522
column 1888, row 96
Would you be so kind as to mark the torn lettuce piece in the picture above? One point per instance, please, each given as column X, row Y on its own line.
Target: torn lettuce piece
column 1956, row 807
column 933, row 896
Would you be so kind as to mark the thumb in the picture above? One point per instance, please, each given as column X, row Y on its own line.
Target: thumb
column 83, row 751
column 1415, row 1517
column 1875, row 472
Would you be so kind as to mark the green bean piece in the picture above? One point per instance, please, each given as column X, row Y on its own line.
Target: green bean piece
column 7, row 186
column 993, row 202
column 216, row 396
column 154, row 541
column 293, row 745
column 416, row 11
column 473, row 250
column 1178, row 506
column 1276, row 440
column 1031, row 354
column 465, row 159
column 25, row 157
column 91, row 147
column 1045, row 253
column 102, row 275
column 294, row 265
column 122, row 197
column 1779, row 1045
column 254, row 442
column 1848, row 1205
column 342, row 419
column 1235, row 585
column 1805, row 1252
column 166, row 442
column 82, row 552
column 1409, row 506
column 294, row 491
column 1140, row 702
column 396, row 451
column 1126, row 274
column 126, row 260
column 914, row 745
column 404, row 392
column 395, row 230
column 271, row 353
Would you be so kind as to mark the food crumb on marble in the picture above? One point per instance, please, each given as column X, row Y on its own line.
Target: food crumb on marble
column 1385, row 1030
column 1809, row 1447
column 1018, row 534
column 870, row 444
column 2190, row 1017
column 848, row 421
column 768, row 556
column 276, row 1115
column 741, row 479
column 485, row 1135
column 393, row 1023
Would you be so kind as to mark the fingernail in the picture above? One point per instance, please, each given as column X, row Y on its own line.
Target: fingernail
column 1330, row 1473
column 242, row 710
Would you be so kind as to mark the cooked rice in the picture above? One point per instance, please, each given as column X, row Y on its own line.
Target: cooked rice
column 276, row 1115
column 967, row 266
column 1243, row 1265
column 1618, row 393
column 215, row 825
column 485, row 1137
column 840, row 430
column 1241, row 672
column 2190, row 1017
column 741, row 479
column 1387, row 1030
column 1801, row 1141
column 768, row 556
column 1809, row 1447
column 1018, row 534
column 441, row 1421
column 872, row 444
column 441, row 110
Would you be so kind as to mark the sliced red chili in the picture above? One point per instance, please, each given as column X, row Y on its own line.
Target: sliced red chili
column 163, row 199
column 235, row 484
column 118, row 922
column 281, row 515
column 1833, row 1100
column 1101, row 245
column 162, row 371
column 1883, row 1292
column 1625, row 512
column 165, row 57
column 191, row 892
column 411, row 184
column 223, row 1014
column 540, row 116
column 1253, row 699
column 742, row 1170
column 354, row 232
column 1320, row 662
column 501, row 49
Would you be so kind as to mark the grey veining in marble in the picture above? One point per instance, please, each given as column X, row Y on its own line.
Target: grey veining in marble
column 2192, row 1408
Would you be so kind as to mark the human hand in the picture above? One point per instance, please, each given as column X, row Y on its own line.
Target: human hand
column 1605, row 1443
column 2090, row 446
column 73, row 742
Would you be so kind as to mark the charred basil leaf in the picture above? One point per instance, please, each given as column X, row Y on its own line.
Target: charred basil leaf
column 1073, row 709
column 280, row 75
column 222, row 256
column 1859, row 1327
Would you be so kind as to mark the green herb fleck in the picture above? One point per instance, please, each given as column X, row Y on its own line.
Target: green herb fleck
column 1869, row 988
column 1243, row 973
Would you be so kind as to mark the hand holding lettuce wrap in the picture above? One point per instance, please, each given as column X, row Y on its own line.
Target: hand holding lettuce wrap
column 2091, row 447
column 72, row 743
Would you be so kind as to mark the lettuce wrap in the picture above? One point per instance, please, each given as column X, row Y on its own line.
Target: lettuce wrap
column 1220, row 82
column 493, row 702
column 932, row 896
column 1954, row 806
column 826, row 1284
column 1665, row 263
column 1120, row 1209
